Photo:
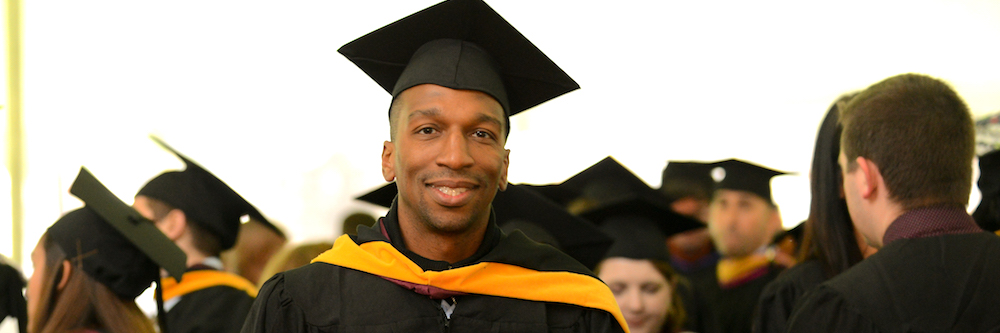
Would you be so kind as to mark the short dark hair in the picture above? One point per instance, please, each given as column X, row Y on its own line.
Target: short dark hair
column 205, row 241
column 919, row 133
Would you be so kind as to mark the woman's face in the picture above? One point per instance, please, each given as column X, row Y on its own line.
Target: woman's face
column 35, row 282
column 643, row 294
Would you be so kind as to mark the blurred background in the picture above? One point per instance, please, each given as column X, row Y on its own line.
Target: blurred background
column 256, row 92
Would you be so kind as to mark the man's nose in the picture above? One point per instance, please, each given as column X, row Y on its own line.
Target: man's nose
column 455, row 152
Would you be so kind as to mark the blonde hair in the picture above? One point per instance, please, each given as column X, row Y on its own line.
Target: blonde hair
column 292, row 257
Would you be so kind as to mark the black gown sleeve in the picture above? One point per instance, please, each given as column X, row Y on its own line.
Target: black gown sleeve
column 274, row 311
column 774, row 307
column 825, row 310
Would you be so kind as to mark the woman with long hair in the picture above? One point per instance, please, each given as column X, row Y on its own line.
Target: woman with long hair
column 830, row 245
column 92, row 263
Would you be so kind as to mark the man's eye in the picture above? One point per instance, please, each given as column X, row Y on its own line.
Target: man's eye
column 426, row 130
column 482, row 134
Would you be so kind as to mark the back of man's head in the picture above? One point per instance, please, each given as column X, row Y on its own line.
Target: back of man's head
column 919, row 133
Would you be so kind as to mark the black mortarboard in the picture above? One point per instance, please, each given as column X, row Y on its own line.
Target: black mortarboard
column 203, row 198
column 635, row 239
column 603, row 181
column 987, row 214
column 460, row 44
column 749, row 177
column 519, row 203
column 643, row 204
column 113, row 243
column 687, row 177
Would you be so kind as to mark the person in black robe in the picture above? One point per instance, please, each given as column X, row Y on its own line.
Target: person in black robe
column 830, row 244
column 689, row 185
column 12, row 304
column 92, row 263
column 202, row 214
column 906, row 159
column 438, row 261
column 743, row 219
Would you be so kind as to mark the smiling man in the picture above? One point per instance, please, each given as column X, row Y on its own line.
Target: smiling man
column 437, row 261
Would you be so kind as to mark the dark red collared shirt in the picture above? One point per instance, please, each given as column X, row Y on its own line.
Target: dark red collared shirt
column 929, row 222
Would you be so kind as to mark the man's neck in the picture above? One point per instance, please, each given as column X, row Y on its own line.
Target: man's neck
column 432, row 245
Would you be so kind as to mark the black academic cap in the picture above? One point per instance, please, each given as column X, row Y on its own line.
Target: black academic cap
column 646, row 205
column 688, row 177
column 112, row 242
column 575, row 236
column 603, row 181
column 203, row 198
column 636, row 239
column 749, row 177
column 460, row 44
column 987, row 214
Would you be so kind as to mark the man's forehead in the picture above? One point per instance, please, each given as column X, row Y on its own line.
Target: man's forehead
column 426, row 100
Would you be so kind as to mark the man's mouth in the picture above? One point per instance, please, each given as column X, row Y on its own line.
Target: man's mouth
column 452, row 191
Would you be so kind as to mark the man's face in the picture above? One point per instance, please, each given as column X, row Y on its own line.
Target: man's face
column 448, row 157
column 740, row 222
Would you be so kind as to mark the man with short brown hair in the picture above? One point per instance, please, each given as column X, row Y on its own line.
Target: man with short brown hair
column 906, row 157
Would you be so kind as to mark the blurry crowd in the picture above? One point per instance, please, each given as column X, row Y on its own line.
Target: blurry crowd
column 888, row 244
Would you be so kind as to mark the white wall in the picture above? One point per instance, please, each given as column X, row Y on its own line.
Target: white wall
column 256, row 92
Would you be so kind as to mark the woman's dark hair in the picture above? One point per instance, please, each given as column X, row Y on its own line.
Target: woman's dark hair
column 829, row 232
column 83, row 303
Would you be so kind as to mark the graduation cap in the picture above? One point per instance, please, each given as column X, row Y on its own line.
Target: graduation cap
column 749, row 177
column 460, row 44
column 112, row 243
column 987, row 214
column 203, row 198
column 603, row 181
column 686, row 178
column 646, row 205
column 575, row 236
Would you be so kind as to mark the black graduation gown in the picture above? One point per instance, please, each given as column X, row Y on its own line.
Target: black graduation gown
column 322, row 297
column 725, row 310
column 214, row 309
column 780, row 296
column 12, row 302
column 934, row 284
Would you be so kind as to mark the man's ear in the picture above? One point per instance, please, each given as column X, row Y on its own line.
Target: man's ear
column 388, row 165
column 503, row 172
column 869, row 178
column 67, row 269
column 174, row 224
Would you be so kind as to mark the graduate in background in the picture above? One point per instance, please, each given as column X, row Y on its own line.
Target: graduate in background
column 906, row 155
column 743, row 219
column 13, row 309
column 830, row 246
column 637, row 268
column 987, row 214
column 201, row 214
column 438, row 261
column 690, row 185
column 257, row 242
column 93, row 262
